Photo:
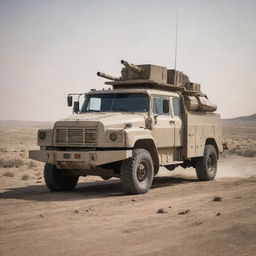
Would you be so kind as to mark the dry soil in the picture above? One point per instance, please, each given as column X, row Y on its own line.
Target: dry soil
column 178, row 216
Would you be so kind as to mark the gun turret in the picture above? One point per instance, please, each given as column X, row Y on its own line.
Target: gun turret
column 107, row 76
column 135, row 68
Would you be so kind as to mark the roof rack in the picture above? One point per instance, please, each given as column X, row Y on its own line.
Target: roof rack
column 152, row 76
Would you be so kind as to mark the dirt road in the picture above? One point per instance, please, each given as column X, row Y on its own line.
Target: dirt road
column 97, row 219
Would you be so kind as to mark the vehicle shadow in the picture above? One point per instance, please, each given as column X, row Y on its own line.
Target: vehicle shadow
column 86, row 190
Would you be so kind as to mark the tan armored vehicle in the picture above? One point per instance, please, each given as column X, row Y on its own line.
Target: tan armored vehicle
column 151, row 117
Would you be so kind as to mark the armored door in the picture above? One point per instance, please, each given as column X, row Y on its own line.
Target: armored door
column 163, row 124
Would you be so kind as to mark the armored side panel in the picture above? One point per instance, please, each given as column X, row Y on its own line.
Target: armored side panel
column 193, row 87
column 201, row 127
column 176, row 77
column 149, row 72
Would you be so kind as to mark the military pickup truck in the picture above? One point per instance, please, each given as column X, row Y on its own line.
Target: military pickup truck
column 151, row 117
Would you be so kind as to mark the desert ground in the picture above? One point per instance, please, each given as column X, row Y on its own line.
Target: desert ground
column 178, row 216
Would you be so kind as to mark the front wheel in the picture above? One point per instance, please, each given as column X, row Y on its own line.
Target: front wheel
column 137, row 172
column 59, row 180
column 206, row 166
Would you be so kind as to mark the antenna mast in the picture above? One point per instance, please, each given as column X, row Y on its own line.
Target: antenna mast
column 176, row 45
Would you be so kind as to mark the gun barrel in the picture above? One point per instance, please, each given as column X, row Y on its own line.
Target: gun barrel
column 107, row 76
column 132, row 66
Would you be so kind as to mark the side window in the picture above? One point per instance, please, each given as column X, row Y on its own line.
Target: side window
column 161, row 106
column 176, row 107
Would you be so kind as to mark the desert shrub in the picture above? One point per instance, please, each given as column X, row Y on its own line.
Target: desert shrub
column 233, row 151
column 1, row 162
column 25, row 177
column 31, row 164
column 8, row 174
column 248, row 153
column 243, row 152
column 8, row 163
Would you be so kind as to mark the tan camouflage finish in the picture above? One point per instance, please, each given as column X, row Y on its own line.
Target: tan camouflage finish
column 170, row 139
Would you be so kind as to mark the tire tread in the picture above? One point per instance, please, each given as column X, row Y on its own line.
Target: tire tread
column 54, row 179
column 127, row 171
column 201, row 169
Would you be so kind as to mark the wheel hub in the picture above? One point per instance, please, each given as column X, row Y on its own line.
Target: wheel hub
column 142, row 172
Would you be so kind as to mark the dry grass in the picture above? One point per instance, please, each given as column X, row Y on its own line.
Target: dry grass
column 9, row 162
column 25, row 177
column 246, row 152
column 8, row 174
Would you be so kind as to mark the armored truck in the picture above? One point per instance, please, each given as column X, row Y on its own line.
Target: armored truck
column 150, row 116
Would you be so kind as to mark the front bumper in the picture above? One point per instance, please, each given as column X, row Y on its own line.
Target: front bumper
column 79, row 160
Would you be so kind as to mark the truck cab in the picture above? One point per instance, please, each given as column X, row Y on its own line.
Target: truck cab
column 150, row 118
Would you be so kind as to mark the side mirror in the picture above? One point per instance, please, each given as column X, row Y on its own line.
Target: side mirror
column 70, row 100
column 166, row 106
column 76, row 107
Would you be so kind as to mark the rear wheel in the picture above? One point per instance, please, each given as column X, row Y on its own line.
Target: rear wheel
column 206, row 166
column 137, row 172
column 58, row 179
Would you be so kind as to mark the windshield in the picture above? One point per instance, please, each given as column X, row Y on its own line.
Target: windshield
column 116, row 102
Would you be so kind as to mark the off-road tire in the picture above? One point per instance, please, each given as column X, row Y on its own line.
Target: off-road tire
column 59, row 180
column 206, row 166
column 137, row 172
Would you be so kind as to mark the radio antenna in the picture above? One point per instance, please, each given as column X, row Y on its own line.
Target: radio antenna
column 176, row 46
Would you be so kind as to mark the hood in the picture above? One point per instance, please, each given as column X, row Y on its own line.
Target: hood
column 111, row 119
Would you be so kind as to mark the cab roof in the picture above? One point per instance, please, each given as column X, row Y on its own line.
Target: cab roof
column 136, row 90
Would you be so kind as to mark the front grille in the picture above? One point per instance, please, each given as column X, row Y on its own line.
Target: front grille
column 72, row 136
column 75, row 136
column 60, row 135
column 90, row 135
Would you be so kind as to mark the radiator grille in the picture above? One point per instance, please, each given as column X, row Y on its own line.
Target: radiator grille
column 71, row 136
column 75, row 136
column 61, row 136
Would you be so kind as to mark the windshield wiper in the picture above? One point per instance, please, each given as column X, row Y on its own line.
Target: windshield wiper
column 91, row 110
column 122, row 110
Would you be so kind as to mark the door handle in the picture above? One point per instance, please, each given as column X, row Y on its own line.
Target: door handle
column 171, row 122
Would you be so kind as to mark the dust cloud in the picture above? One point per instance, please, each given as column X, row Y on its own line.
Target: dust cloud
column 229, row 166
column 237, row 167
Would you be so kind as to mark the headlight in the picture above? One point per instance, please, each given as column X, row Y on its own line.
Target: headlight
column 113, row 136
column 42, row 135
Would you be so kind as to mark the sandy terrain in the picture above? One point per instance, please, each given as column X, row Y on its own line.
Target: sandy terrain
column 97, row 219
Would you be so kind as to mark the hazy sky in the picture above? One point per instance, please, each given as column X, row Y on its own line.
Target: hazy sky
column 49, row 48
